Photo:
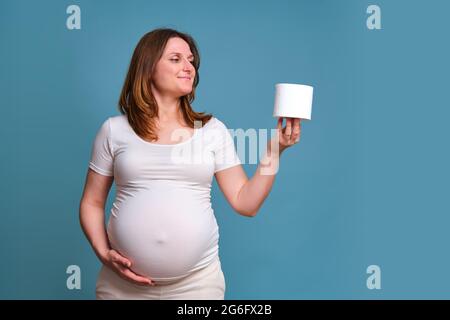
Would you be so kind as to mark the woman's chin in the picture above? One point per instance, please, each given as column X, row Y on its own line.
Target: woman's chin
column 185, row 93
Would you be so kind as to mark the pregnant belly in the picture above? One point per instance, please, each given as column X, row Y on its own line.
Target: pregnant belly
column 165, row 234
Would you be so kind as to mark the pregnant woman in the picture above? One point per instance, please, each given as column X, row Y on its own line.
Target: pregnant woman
column 161, row 241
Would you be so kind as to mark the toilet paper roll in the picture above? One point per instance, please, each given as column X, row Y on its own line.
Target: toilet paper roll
column 293, row 100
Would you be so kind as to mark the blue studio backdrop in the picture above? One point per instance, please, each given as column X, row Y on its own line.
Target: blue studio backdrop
column 364, row 193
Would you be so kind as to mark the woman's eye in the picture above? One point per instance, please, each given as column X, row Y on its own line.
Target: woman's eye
column 191, row 61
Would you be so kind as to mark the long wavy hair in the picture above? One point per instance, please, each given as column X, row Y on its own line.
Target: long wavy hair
column 136, row 99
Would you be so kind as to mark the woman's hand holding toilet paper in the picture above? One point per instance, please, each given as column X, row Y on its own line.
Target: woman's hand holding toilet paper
column 293, row 102
column 121, row 265
column 290, row 134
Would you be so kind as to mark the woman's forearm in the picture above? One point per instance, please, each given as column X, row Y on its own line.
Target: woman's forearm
column 92, row 220
column 255, row 191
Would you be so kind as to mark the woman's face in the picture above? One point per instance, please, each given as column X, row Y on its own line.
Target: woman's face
column 174, row 73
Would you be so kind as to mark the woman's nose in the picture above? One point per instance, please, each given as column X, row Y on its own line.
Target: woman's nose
column 188, row 66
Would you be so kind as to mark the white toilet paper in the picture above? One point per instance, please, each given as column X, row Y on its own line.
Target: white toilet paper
column 293, row 100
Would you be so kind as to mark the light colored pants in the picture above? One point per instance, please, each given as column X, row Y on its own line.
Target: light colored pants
column 207, row 283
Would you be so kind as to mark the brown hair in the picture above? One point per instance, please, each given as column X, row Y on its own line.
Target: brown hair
column 137, row 100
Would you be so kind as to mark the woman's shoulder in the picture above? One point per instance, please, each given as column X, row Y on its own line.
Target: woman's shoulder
column 118, row 118
column 114, row 124
column 118, row 122
column 210, row 122
column 215, row 123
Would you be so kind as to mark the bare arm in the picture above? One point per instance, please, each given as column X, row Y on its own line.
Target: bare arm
column 92, row 212
column 247, row 196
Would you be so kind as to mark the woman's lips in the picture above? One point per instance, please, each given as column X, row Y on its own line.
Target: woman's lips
column 185, row 78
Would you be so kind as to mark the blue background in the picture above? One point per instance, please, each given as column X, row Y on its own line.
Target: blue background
column 367, row 184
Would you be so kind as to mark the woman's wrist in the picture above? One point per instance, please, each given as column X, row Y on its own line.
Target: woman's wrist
column 276, row 147
column 103, row 255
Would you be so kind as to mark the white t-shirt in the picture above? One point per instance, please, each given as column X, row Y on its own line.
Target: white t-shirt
column 162, row 218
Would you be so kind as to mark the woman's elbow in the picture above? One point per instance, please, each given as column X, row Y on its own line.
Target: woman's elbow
column 247, row 213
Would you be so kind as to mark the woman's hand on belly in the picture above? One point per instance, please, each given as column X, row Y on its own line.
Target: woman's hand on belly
column 121, row 265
